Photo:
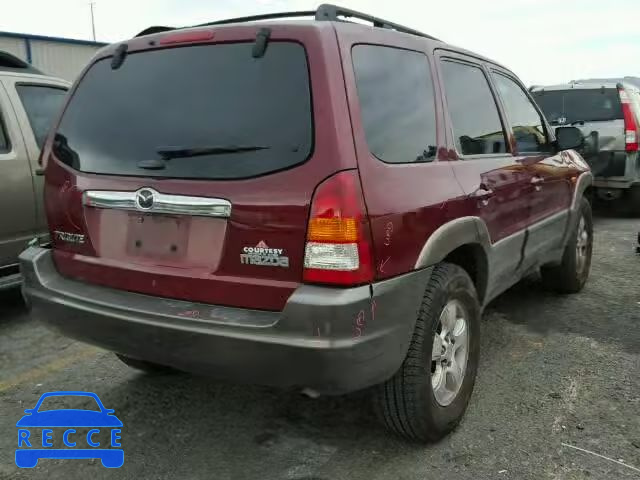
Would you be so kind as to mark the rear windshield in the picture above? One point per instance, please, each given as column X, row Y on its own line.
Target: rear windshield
column 564, row 107
column 210, row 112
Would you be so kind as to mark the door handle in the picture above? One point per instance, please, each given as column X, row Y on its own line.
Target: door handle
column 537, row 183
column 483, row 195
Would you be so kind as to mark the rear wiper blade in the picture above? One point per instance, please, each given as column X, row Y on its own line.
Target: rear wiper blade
column 590, row 120
column 167, row 153
column 566, row 124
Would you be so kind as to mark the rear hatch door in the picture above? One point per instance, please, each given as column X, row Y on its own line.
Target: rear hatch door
column 189, row 169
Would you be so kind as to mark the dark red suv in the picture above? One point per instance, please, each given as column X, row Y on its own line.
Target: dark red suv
column 323, row 205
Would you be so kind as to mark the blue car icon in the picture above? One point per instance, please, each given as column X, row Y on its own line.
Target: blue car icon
column 27, row 456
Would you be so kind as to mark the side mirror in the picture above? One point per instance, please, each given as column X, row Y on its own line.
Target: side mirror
column 568, row 138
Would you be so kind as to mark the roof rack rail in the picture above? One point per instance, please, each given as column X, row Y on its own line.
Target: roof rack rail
column 325, row 12
column 154, row 29
column 266, row 16
column 333, row 12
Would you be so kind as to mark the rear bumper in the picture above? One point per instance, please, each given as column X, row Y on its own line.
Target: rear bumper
column 615, row 170
column 605, row 184
column 327, row 339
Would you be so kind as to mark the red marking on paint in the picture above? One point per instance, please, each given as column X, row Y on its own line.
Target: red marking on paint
column 373, row 310
column 382, row 264
column 189, row 313
column 360, row 321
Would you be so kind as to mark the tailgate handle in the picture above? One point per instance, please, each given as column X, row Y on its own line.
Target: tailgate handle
column 148, row 200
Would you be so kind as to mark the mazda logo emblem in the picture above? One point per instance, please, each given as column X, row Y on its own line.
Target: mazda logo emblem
column 144, row 199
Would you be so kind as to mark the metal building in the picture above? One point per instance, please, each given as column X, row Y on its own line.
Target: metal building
column 59, row 57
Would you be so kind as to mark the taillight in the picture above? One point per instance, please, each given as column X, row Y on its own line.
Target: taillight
column 630, row 124
column 338, row 249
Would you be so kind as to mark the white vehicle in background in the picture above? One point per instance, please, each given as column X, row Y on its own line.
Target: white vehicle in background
column 608, row 113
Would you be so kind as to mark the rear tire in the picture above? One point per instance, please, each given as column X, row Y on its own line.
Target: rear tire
column 426, row 398
column 572, row 274
column 634, row 200
column 144, row 366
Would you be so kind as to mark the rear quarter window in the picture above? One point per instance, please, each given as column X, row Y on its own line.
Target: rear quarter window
column 223, row 113
column 395, row 90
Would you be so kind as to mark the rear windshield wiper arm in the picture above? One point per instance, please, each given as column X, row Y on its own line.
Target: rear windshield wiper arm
column 571, row 123
column 167, row 153
column 582, row 122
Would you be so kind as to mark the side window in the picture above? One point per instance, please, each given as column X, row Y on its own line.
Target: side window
column 476, row 123
column 397, row 103
column 5, row 144
column 42, row 105
column 527, row 124
column 4, row 140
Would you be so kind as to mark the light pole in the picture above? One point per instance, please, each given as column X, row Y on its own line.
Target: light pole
column 93, row 22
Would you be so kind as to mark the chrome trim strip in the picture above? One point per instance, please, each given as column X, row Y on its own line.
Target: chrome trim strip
column 162, row 203
column 11, row 265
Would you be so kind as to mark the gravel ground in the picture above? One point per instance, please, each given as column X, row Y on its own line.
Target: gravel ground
column 555, row 371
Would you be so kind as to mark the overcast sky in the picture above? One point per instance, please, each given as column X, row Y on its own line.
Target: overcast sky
column 543, row 41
